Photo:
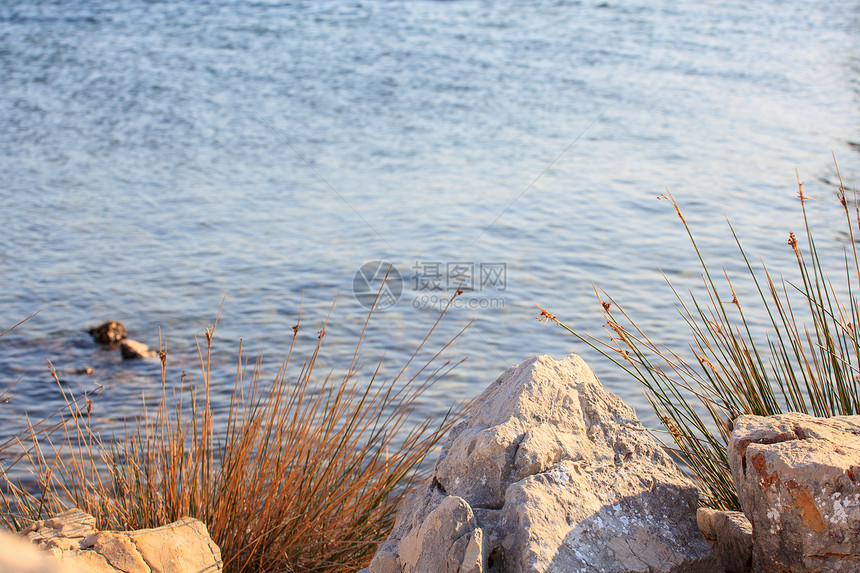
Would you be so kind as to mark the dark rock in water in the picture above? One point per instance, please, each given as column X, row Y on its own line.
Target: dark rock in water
column 132, row 349
column 110, row 332
column 78, row 371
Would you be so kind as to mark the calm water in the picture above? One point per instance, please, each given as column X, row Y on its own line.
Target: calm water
column 157, row 158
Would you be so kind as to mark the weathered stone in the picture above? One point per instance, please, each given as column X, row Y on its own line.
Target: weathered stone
column 560, row 476
column 440, row 543
column 797, row 480
column 117, row 549
column 71, row 524
column 19, row 556
column 110, row 332
column 133, row 350
column 383, row 562
column 183, row 546
column 179, row 547
column 729, row 533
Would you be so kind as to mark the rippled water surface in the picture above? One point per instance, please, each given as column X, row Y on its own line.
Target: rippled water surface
column 157, row 158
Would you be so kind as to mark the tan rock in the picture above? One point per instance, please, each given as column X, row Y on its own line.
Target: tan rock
column 468, row 552
column 383, row 562
column 798, row 480
column 440, row 543
column 88, row 561
column 729, row 533
column 17, row 555
column 183, row 546
column 560, row 477
column 71, row 524
column 118, row 551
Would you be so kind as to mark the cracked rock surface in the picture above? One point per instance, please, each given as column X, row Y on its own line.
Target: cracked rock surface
column 17, row 555
column 183, row 546
column 798, row 480
column 729, row 533
column 549, row 473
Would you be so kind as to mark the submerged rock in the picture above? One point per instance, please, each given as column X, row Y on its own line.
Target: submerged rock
column 133, row 350
column 798, row 480
column 549, row 473
column 111, row 332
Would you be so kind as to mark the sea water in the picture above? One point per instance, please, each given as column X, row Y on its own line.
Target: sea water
column 167, row 163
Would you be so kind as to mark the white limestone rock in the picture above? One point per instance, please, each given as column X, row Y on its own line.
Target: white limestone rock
column 560, row 477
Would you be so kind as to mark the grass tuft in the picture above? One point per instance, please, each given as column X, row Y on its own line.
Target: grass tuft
column 808, row 361
column 305, row 474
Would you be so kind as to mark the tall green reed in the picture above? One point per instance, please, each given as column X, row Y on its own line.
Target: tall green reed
column 807, row 361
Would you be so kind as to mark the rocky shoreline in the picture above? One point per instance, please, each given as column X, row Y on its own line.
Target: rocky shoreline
column 550, row 473
column 70, row 543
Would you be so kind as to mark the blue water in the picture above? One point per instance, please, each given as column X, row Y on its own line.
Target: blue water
column 157, row 158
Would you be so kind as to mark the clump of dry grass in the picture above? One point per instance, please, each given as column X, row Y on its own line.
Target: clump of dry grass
column 305, row 475
column 808, row 361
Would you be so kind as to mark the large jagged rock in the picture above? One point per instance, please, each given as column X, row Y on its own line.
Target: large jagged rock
column 729, row 533
column 549, row 473
column 798, row 480
column 71, row 538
